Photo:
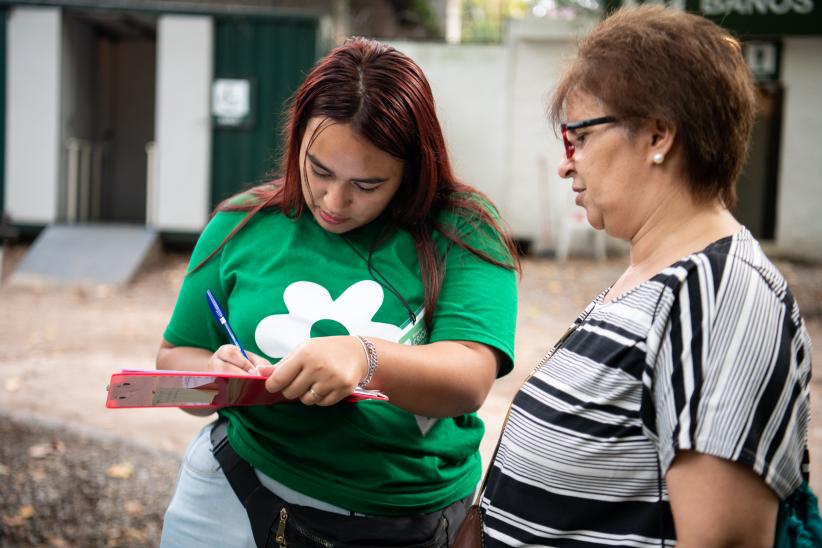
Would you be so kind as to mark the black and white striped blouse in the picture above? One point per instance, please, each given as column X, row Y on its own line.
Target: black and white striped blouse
column 709, row 355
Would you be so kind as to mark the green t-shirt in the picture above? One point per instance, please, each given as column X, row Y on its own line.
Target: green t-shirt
column 282, row 280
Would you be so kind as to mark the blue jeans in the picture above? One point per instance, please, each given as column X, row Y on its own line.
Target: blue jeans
column 204, row 510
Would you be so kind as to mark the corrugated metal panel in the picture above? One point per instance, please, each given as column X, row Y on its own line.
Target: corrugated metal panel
column 275, row 54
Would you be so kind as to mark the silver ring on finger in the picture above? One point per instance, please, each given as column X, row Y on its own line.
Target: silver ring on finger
column 314, row 393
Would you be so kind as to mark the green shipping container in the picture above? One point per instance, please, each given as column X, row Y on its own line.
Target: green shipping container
column 266, row 59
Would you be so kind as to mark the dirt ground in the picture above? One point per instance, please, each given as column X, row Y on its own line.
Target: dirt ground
column 73, row 473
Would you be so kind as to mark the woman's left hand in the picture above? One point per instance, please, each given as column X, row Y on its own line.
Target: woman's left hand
column 320, row 371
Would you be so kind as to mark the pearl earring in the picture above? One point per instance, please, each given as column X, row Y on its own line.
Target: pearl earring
column 658, row 158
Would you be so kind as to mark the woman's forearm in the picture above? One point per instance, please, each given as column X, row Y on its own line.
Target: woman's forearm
column 182, row 358
column 442, row 379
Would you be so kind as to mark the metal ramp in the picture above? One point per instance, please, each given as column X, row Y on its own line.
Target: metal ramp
column 86, row 254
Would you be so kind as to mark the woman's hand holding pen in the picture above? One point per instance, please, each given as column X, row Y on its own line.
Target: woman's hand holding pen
column 320, row 371
column 229, row 359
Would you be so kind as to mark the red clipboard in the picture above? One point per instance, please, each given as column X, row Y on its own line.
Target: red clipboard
column 132, row 388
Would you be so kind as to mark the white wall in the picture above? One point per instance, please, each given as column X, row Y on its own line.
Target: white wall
column 182, row 124
column 539, row 197
column 33, row 115
column 492, row 102
column 470, row 83
column 798, row 219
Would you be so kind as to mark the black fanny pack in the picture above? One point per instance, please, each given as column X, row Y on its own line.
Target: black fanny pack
column 276, row 523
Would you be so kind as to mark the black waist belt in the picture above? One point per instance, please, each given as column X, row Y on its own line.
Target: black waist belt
column 261, row 504
column 309, row 526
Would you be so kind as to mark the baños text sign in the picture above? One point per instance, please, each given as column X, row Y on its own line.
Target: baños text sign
column 763, row 17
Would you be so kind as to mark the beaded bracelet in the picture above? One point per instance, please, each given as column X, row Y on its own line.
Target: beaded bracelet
column 371, row 355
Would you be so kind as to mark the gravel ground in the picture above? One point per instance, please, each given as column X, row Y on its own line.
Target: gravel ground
column 73, row 473
column 64, row 487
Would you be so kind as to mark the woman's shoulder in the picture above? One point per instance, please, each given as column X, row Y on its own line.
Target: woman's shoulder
column 734, row 267
column 472, row 219
column 737, row 259
column 224, row 221
column 464, row 207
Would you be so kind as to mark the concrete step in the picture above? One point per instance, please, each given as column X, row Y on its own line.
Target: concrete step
column 86, row 254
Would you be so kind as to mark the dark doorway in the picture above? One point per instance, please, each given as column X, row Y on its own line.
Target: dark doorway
column 109, row 83
column 757, row 187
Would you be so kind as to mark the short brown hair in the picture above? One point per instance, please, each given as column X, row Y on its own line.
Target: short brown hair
column 654, row 62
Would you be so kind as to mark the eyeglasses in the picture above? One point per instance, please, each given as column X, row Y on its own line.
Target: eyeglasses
column 569, row 146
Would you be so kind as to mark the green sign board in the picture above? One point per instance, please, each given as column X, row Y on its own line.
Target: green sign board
column 751, row 18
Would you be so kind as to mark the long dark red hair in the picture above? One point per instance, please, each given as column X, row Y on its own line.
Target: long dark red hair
column 386, row 98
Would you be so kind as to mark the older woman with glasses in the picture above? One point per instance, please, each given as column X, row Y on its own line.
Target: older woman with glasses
column 676, row 409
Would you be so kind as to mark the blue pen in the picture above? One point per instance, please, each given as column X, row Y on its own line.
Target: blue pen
column 221, row 319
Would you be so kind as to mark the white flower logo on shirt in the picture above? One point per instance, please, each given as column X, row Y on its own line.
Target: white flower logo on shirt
column 312, row 310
